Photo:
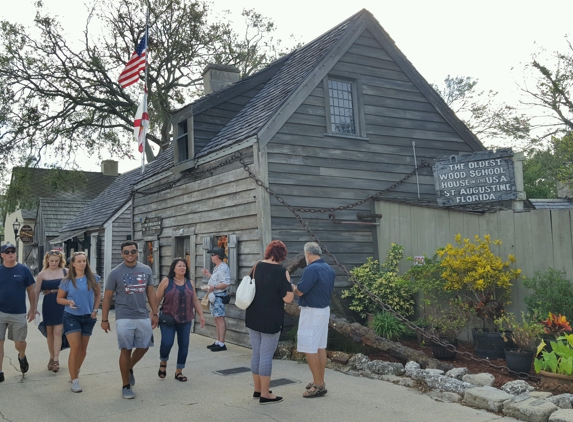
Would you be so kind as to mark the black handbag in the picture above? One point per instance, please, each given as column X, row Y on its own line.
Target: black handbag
column 166, row 320
column 225, row 299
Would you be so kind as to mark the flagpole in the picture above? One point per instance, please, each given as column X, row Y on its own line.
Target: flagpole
column 145, row 85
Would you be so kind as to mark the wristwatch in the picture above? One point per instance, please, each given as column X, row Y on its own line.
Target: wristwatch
column 96, row 311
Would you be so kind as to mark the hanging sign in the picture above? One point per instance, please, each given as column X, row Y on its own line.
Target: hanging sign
column 151, row 226
column 484, row 176
column 26, row 233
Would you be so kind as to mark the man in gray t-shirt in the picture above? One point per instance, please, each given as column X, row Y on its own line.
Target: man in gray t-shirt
column 131, row 281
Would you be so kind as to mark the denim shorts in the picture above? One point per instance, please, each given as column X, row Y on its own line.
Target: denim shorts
column 78, row 323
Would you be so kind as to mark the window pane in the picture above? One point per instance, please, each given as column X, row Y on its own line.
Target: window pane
column 341, row 107
column 182, row 144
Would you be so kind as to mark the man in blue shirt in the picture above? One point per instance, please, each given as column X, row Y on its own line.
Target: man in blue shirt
column 314, row 290
column 15, row 280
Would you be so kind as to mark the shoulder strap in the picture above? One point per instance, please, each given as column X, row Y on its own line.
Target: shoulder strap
column 252, row 272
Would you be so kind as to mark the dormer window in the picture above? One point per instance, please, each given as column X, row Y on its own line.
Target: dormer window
column 182, row 141
column 183, row 152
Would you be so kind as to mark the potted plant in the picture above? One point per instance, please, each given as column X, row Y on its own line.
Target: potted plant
column 484, row 280
column 555, row 368
column 447, row 326
column 384, row 281
column 554, row 326
column 522, row 334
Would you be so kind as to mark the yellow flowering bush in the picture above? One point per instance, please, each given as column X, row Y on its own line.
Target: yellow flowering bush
column 484, row 278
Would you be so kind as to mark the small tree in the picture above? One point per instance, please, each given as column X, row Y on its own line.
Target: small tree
column 383, row 281
column 479, row 275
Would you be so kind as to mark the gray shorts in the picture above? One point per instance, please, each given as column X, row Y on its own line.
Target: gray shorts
column 16, row 324
column 134, row 333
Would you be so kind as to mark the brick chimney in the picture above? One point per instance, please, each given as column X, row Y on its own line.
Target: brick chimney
column 219, row 76
column 109, row 168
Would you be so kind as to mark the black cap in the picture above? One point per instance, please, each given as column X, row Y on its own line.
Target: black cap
column 218, row 251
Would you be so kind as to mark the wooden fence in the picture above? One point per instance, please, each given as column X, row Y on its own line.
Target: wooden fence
column 539, row 239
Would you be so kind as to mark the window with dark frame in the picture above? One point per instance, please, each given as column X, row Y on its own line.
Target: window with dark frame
column 182, row 141
column 342, row 107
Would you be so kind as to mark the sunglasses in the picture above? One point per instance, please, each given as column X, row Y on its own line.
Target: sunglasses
column 9, row 251
column 131, row 251
column 57, row 253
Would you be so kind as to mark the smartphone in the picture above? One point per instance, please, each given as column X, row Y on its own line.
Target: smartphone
column 74, row 307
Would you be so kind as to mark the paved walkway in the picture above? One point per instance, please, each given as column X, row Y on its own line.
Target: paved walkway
column 45, row 396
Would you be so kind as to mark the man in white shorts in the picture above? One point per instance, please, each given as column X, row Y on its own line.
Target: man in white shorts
column 131, row 281
column 314, row 290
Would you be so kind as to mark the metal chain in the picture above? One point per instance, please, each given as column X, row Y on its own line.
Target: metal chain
column 352, row 279
column 423, row 164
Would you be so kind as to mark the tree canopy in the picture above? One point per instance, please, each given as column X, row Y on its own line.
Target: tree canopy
column 488, row 118
column 552, row 91
column 60, row 96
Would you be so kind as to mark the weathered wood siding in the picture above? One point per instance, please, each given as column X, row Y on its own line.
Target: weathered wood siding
column 120, row 231
column 223, row 203
column 208, row 123
column 539, row 239
column 310, row 168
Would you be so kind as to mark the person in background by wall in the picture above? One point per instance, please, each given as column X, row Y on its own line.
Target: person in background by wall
column 265, row 317
column 15, row 281
column 218, row 283
column 314, row 290
column 48, row 283
column 180, row 302
column 80, row 292
column 131, row 281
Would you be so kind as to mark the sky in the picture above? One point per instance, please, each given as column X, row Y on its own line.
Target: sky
column 489, row 40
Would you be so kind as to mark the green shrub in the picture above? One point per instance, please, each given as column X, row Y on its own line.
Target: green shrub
column 383, row 281
column 388, row 326
column 552, row 292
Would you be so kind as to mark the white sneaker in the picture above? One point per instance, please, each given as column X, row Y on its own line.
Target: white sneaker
column 76, row 386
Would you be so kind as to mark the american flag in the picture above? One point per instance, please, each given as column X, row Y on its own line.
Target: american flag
column 135, row 65
column 141, row 122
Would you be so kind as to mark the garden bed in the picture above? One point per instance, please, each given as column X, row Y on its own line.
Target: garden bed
column 501, row 376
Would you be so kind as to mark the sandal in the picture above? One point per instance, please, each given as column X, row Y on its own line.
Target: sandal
column 160, row 373
column 51, row 365
column 180, row 377
column 315, row 391
column 56, row 366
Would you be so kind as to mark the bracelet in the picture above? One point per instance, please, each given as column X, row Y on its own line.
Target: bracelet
column 105, row 320
column 155, row 315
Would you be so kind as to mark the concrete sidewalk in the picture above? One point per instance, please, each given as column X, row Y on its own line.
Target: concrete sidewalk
column 45, row 396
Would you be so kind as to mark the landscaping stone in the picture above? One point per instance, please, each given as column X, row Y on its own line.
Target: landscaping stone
column 457, row 373
column 441, row 382
column 445, row 396
column 561, row 415
column 540, row 394
column 517, row 387
column 480, row 380
column 284, row 350
column 385, row 368
column 435, row 371
column 562, row 401
column 407, row 382
column 529, row 409
column 359, row 362
column 411, row 367
column 392, row 378
column 487, row 398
